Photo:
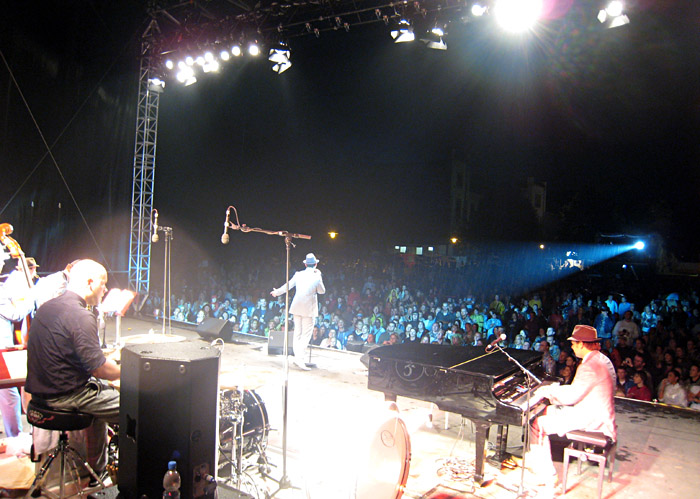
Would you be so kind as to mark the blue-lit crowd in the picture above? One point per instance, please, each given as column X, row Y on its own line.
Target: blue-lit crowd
column 650, row 336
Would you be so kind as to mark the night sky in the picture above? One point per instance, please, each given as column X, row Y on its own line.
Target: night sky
column 357, row 136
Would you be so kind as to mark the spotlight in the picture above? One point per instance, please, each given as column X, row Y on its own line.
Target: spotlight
column 478, row 10
column 211, row 66
column 434, row 39
column 200, row 60
column 517, row 16
column 224, row 55
column 403, row 32
column 186, row 76
column 169, row 64
column 156, row 84
column 236, row 51
column 253, row 49
column 189, row 60
column 639, row 245
column 613, row 15
column 280, row 56
column 208, row 57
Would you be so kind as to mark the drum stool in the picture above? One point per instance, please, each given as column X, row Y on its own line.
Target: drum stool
column 41, row 416
column 605, row 455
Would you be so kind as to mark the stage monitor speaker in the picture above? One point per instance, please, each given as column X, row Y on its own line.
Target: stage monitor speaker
column 275, row 343
column 168, row 411
column 215, row 328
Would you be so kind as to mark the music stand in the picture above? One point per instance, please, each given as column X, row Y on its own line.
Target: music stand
column 283, row 482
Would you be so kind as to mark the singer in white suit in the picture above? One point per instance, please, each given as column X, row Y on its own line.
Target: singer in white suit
column 304, row 308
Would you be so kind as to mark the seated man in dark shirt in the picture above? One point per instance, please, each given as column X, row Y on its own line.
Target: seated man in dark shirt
column 65, row 365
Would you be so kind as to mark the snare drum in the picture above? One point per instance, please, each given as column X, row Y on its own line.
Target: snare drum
column 386, row 471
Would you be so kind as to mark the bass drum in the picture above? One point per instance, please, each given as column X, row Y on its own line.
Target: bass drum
column 388, row 462
column 256, row 424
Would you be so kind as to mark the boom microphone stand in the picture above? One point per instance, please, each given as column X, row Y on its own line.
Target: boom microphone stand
column 167, row 303
column 283, row 482
column 529, row 377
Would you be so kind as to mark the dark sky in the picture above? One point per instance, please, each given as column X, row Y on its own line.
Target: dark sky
column 357, row 136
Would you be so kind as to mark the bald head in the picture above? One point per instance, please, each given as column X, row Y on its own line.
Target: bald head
column 88, row 278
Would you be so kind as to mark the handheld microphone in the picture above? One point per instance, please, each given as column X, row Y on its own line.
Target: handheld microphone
column 493, row 344
column 225, row 236
column 155, row 237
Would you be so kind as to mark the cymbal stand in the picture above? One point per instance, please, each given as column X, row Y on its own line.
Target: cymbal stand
column 283, row 482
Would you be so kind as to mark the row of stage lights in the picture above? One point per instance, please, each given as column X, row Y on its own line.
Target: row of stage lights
column 511, row 15
column 186, row 69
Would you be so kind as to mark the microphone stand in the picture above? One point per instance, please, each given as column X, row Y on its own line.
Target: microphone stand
column 283, row 482
column 167, row 300
column 529, row 377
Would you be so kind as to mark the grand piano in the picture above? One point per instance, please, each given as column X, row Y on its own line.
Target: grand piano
column 486, row 388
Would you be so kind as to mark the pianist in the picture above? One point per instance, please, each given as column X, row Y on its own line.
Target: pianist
column 586, row 404
column 65, row 362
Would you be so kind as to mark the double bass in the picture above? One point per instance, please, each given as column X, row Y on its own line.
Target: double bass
column 15, row 251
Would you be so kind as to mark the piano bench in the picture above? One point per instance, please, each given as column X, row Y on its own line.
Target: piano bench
column 590, row 446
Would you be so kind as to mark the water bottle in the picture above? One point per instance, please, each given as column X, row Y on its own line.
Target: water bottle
column 171, row 482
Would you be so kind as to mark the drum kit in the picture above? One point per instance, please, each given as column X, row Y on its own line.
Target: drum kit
column 243, row 431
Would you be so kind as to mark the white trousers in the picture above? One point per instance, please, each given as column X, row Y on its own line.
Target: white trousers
column 303, row 328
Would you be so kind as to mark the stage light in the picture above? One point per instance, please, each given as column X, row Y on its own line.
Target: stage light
column 208, row 56
column 280, row 54
column 403, row 32
column 189, row 60
column 517, row 16
column 211, row 66
column 478, row 10
column 639, row 245
column 613, row 15
column 542, row 246
column 434, row 40
column 186, row 75
column 236, row 51
column 224, row 55
column 200, row 60
column 614, row 8
column 169, row 64
column 253, row 49
column 332, row 235
column 156, row 84
column 454, row 240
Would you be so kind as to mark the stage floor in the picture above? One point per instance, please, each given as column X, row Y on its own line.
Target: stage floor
column 334, row 422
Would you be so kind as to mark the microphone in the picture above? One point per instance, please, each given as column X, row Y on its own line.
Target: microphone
column 225, row 236
column 155, row 237
column 493, row 344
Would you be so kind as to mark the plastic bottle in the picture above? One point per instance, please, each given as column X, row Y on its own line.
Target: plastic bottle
column 171, row 482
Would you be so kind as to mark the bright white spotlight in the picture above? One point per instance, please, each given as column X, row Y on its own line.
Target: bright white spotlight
column 200, row 60
column 182, row 65
column 403, row 32
column 614, row 8
column 189, row 60
column 211, row 66
column 169, row 64
column 186, row 76
column 253, row 49
column 208, row 56
column 281, row 67
column 639, row 245
column 478, row 10
column 438, row 31
column 236, row 51
column 517, row 16
column 224, row 55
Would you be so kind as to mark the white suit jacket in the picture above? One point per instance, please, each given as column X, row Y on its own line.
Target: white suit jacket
column 308, row 283
column 589, row 397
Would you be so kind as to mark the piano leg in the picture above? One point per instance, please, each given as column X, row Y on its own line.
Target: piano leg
column 482, row 433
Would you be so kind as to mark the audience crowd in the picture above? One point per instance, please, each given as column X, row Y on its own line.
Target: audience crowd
column 650, row 337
